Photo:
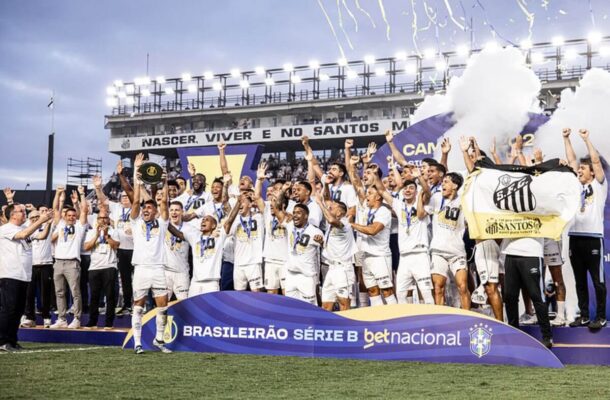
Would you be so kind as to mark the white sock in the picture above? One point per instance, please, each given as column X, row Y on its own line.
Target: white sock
column 561, row 309
column 363, row 299
column 376, row 300
column 354, row 300
column 136, row 325
column 427, row 295
column 161, row 321
column 409, row 300
column 391, row 299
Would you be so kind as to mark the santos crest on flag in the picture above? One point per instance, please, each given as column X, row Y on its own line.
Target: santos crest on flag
column 508, row 201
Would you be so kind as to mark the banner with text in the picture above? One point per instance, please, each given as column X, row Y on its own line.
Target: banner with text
column 257, row 135
column 265, row 324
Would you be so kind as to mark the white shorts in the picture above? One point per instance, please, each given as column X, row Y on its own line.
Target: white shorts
column 149, row 277
column 248, row 275
column 301, row 287
column 338, row 283
column 444, row 264
column 487, row 261
column 552, row 253
column 198, row 288
column 413, row 271
column 177, row 283
column 377, row 271
column 275, row 275
column 358, row 257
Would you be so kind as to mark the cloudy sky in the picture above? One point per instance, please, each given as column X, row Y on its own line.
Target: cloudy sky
column 76, row 48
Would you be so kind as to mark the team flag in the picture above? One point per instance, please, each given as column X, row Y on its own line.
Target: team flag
column 508, row 201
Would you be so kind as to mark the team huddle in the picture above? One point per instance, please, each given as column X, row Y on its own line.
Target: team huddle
column 345, row 237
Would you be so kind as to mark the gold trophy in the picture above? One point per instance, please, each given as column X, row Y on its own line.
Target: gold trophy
column 151, row 173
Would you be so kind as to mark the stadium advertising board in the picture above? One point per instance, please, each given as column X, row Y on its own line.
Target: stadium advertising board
column 265, row 324
column 258, row 135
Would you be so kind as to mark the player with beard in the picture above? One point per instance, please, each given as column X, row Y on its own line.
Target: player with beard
column 198, row 197
column 302, row 195
column 374, row 234
column 302, row 266
column 587, row 232
column 149, row 259
column 177, row 255
column 447, row 245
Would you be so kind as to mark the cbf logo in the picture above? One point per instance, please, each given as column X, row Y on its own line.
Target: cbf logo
column 171, row 330
column 480, row 339
column 514, row 194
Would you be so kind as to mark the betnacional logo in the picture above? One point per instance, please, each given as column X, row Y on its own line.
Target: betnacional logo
column 480, row 339
column 171, row 330
column 514, row 194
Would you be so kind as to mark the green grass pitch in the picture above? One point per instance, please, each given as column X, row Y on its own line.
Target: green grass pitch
column 50, row 371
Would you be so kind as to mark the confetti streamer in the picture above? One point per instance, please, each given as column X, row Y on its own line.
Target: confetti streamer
column 528, row 15
column 351, row 15
column 414, row 28
column 493, row 30
column 349, row 42
column 545, row 4
column 365, row 13
column 332, row 28
column 382, row 9
column 450, row 11
column 562, row 12
column 592, row 13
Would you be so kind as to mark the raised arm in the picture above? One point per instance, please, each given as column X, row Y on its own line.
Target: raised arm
column 9, row 194
column 164, row 208
column 45, row 232
column 445, row 149
column 27, row 232
column 315, row 167
column 224, row 165
column 465, row 145
column 398, row 157
column 232, row 215
column 394, row 171
column 387, row 197
column 421, row 212
column 519, row 147
column 58, row 203
column 370, row 152
column 99, row 193
column 137, row 182
column 494, row 154
column 596, row 162
column 125, row 186
column 84, row 206
column 570, row 154
column 261, row 175
column 327, row 215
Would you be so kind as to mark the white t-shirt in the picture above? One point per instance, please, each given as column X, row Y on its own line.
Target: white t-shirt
column 215, row 209
column 448, row 226
column 148, row 247
column 339, row 243
column 523, row 247
column 589, row 220
column 412, row 232
column 120, row 218
column 248, row 233
column 193, row 202
column 207, row 254
column 15, row 255
column 379, row 244
column 69, row 240
column 315, row 214
column 303, row 251
column 177, row 251
column 344, row 193
column 102, row 255
column 276, row 238
column 42, row 250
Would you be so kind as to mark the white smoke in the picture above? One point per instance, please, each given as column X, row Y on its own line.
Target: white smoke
column 585, row 108
column 491, row 99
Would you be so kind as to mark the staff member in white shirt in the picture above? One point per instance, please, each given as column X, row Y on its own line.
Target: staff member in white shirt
column 15, row 271
column 102, row 242
column 68, row 238
column 42, row 273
